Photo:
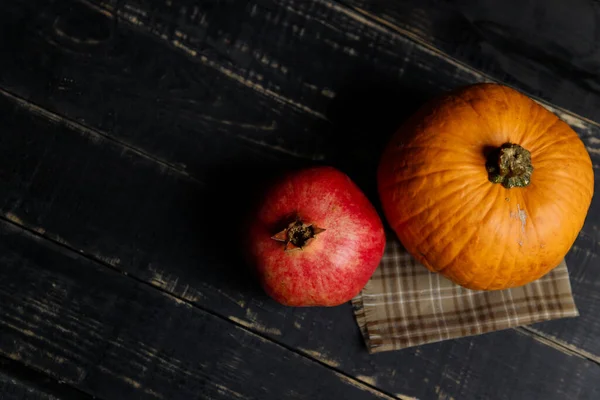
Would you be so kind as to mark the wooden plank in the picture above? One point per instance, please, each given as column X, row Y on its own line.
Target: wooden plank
column 18, row 382
column 92, row 196
column 366, row 78
column 116, row 338
column 546, row 48
column 12, row 389
column 145, row 95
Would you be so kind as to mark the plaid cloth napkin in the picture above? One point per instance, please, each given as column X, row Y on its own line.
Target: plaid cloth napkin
column 405, row 305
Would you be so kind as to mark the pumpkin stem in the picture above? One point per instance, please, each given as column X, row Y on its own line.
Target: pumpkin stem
column 297, row 235
column 510, row 165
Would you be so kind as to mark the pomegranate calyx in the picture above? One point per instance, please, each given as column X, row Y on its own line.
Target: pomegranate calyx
column 297, row 235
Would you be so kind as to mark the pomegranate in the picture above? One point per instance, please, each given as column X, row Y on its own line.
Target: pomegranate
column 315, row 239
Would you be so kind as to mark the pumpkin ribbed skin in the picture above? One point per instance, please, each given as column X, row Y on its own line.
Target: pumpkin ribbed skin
column 437, row 197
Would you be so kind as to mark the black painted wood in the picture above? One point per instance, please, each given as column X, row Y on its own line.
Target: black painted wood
column 127, row 212
column 116, row 338
column 178, row 96
column 83, row 65
column 375, row 73
column 19, row 382
column 375, row 77
column 12, row 389
column 547, row 48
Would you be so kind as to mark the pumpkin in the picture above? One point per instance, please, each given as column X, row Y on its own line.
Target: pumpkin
column 486, row 187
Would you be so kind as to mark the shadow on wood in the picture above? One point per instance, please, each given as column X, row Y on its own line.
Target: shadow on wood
column 363, row 115
column 369, row 108
column 220, row 218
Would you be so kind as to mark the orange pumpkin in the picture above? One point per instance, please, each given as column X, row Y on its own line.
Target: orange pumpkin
column 486, row 187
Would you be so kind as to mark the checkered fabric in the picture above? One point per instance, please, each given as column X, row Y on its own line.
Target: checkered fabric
column 405, row 305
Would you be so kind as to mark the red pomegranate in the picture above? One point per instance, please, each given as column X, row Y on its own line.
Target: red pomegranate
column 315, row 239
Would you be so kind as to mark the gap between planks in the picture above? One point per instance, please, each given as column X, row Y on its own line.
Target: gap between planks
column 361, row 384
column 90, row 132
column 384, row 25
column 356, row 13
column 557, row 344
column 40, row 380
column 135, row 23
column 359, row 15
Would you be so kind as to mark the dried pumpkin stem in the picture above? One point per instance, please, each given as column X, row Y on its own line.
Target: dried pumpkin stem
column 510, row 165
column 297, row 235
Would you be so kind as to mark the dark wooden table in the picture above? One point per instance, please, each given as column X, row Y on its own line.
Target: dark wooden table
column 133, row 131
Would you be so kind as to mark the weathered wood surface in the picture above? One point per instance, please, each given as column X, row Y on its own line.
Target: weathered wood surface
column 170, row 112
column 13, row 389
column 77, row 318
column 371, row 71
column 547, row 48
column 382, row 73
column 18, row 382
column 116, row 338
column 122, row 216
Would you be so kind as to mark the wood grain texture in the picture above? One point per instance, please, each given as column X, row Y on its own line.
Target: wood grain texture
column 19, row 382
column 373, row 72
column 366, row 78
column 547, row 48
column 274, row 95
column 92, row 196
column 116, row 338
column 12, row 389
column 163, row 104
